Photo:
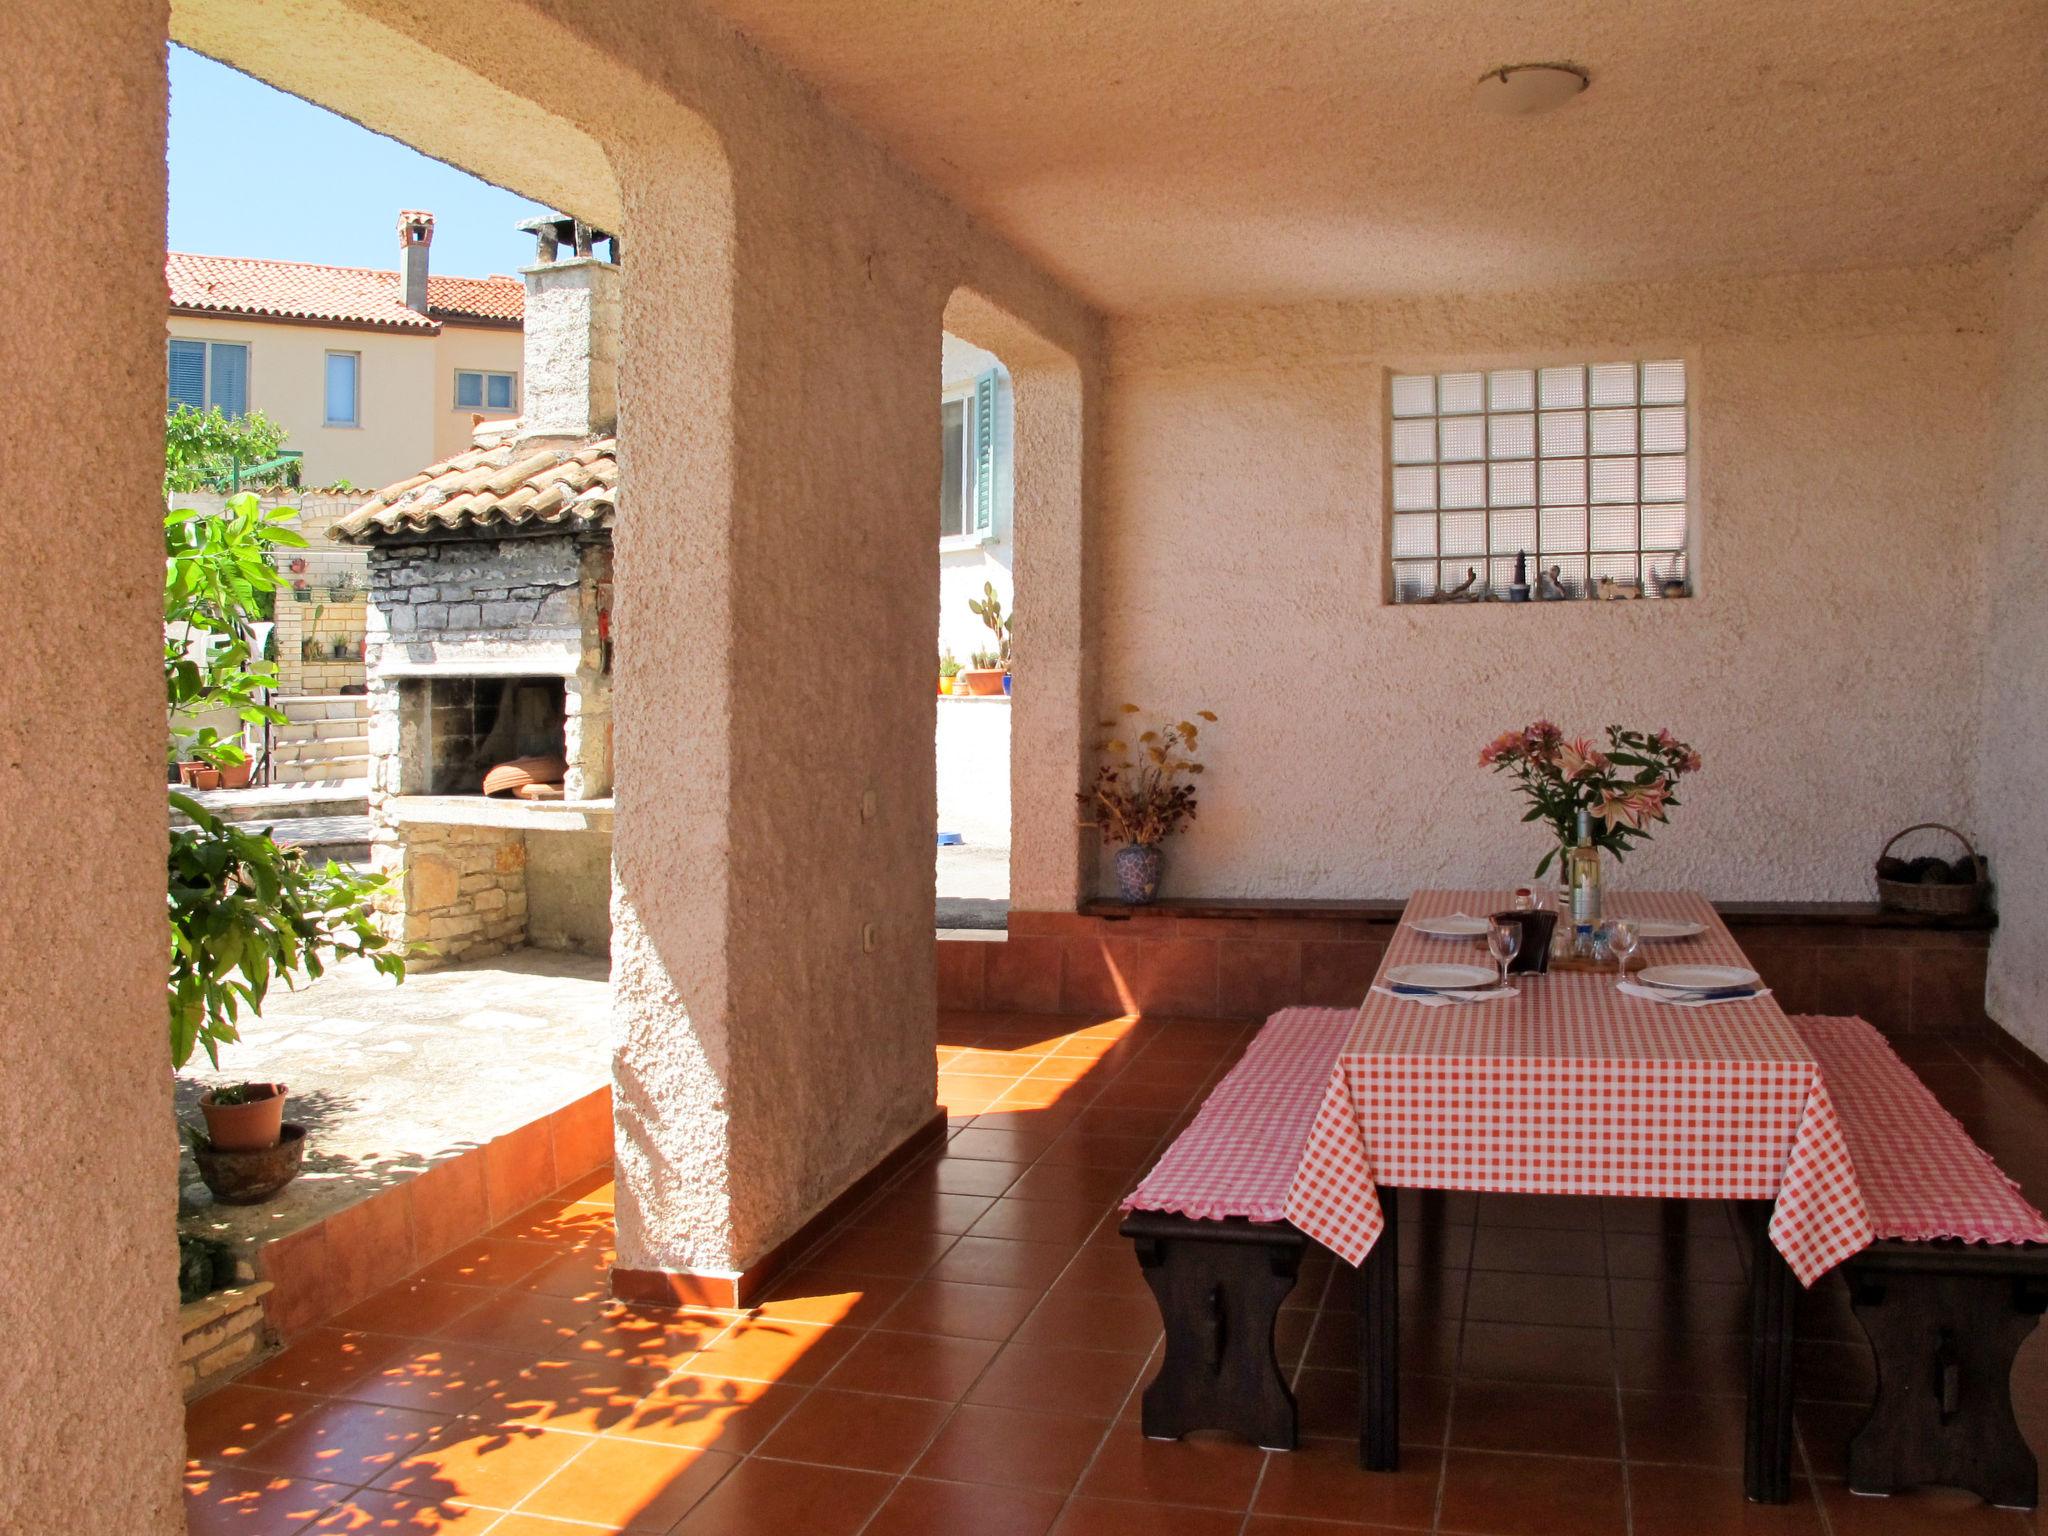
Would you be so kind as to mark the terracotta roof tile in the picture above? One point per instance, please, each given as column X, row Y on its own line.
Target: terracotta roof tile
column 500, row 484
column 297, row 290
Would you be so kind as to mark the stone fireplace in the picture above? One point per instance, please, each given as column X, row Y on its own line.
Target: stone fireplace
column 489, row 641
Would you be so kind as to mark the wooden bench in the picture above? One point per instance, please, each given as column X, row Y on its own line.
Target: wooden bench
column 1956, row 1281
column 1209, row 1226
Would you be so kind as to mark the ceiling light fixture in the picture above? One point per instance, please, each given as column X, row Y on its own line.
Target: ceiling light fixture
column 1517, row 90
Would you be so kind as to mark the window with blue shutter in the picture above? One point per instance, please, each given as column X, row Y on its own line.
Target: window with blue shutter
column 187, row 368
column 228, row 386
column 985, row 453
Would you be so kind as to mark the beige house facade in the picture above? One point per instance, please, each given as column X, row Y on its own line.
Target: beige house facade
column 1202, row 245
column 367, row 387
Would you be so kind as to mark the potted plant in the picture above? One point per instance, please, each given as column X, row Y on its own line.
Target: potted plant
column 949, row 671
column 1142, row 796
column 244, row 911
column 983, row 675
column 243, row 1117
column 995, row 664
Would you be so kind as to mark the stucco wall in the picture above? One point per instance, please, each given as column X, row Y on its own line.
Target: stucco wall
column 89, row 1430
column 1826, row 670
column 2013, row 809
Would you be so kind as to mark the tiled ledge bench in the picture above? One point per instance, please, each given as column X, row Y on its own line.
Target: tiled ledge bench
column 1207, row 1225
column 1945, row 1295
column 1245, row 959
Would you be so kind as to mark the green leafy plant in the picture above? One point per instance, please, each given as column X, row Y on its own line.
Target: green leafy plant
column 211, row 450
column 949, row 665
column 244, row 910
column 989, row 609
column 984, row 661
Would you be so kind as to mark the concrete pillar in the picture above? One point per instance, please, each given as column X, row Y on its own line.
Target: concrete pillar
column 90, row 1432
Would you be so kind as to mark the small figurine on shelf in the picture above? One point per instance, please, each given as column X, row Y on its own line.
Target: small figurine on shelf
column 1519, row 592
column 1550, row 585
column 1613, row 591
column 1462, row 592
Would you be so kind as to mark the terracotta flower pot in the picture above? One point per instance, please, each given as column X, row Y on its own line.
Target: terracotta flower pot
column 205, row 778
column 981, row 681
column 249, row 1127
column 250, row 1178
column 188, row 771
column 238, row 775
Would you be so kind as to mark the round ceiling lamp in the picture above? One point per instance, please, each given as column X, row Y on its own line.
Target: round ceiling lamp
column 1517, row 90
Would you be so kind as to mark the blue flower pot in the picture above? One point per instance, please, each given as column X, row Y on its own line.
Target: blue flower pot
column 1006, row 685
column 1137, row 873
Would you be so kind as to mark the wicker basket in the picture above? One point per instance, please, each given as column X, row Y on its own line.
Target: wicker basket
column 1933, row 900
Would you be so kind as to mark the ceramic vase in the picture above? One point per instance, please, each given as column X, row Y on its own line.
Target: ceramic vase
column 1137, row 873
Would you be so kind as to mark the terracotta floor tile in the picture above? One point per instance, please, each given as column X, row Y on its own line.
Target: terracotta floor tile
column 960, row 1311
column 1073, row 1182
column 520, row 1320
column 815, row 1295
column 1012, row 1449
column 866, row 1251
column 490, row 1261
column 415, row 1309
column 585, row 1273
column 1537, row 1250
column 1053, row 1379
column 1652, row 1360
column 1527, row 1352
column 969, row 1176
column 1925, row 1512
column 643, row 1335
column 1504, row 1495
column 1676, row 1306
column 1688, row 1428
column 1215, row 1472
column 1002, row 1261
column 369, row 1513
column 997, row 1146
column 713, row 1412
column 913, row 1365
column 1323, row 1481
column 920, row 1507
column 437, row 1376
column 1111, row 1517
column 1327, row 1404
column 1288, row 1525
column 1041, row 1221
column 591, row 1394
column 224, row 1424
column 768, row 1349
column 1094, row 1322
column 1124, row 1153
column 857, row 1429
column 344, row 1442
column 234, row 1501
column 1104, row 1272
column 1537, row 1418
column 559, row 1222
column 1704, row 1501
column 495, row 1466
column 594, row 1188
column 921, row 1210
column 782, row 1498
column 323, row 1362
column 629, row 1485
column 1572, row 1301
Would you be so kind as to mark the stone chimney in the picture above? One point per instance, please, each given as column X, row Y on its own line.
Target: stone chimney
column 415, row 234
column 571, row 356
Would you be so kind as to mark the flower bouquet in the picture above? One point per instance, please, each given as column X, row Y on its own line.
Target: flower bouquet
column 1142, row 798
column 1624, row 789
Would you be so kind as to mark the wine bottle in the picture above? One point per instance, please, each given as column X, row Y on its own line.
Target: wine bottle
column 1585, row 884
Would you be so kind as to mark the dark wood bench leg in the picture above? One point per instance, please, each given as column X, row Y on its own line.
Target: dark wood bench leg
column 1773, row 1290
column 1219, row 1286
column 1945, row 1343
column 1379, row 1344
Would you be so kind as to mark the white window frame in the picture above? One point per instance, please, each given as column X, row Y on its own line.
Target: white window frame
column 980, row 400
column 1400, row 548
column 209, row 342
column 484, row 377
column 355, row 405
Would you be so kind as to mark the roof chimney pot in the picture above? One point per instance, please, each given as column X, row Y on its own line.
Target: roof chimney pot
column 415, row 235
column 573, row 310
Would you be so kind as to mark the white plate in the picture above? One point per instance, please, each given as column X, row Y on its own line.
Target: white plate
column 1450, row 927
column 1443, row 978
column 1697, row 978
column 1666, row 928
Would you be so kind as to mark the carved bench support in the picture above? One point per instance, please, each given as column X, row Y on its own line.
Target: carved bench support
column 1219, row 1285
column 1946, row 1320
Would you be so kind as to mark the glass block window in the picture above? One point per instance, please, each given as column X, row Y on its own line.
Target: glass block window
column 1580, row 467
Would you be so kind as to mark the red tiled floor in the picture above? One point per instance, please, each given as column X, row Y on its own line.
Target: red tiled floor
column 967, row 1354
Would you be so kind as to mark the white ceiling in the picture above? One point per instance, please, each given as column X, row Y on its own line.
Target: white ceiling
column 1162, row 152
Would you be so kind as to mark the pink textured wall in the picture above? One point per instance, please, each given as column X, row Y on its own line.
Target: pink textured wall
column 2014, row 810
column 1827, row 671
column 89, row 1416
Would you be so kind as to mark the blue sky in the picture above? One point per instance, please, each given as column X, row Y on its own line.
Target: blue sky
column 255, row 172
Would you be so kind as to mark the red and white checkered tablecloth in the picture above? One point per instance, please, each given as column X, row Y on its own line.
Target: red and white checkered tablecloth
column 1575, row 1088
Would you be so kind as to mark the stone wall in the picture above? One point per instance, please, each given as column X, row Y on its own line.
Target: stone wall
column 219, row 1334
column 461, row 890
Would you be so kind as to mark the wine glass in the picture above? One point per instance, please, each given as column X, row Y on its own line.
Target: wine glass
column 1622, row 939
column 1503, row 942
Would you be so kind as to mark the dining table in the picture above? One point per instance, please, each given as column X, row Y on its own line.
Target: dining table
column 1572, row 1086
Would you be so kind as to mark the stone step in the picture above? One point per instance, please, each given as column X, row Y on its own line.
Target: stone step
column 327, row 749
column 305, row 708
